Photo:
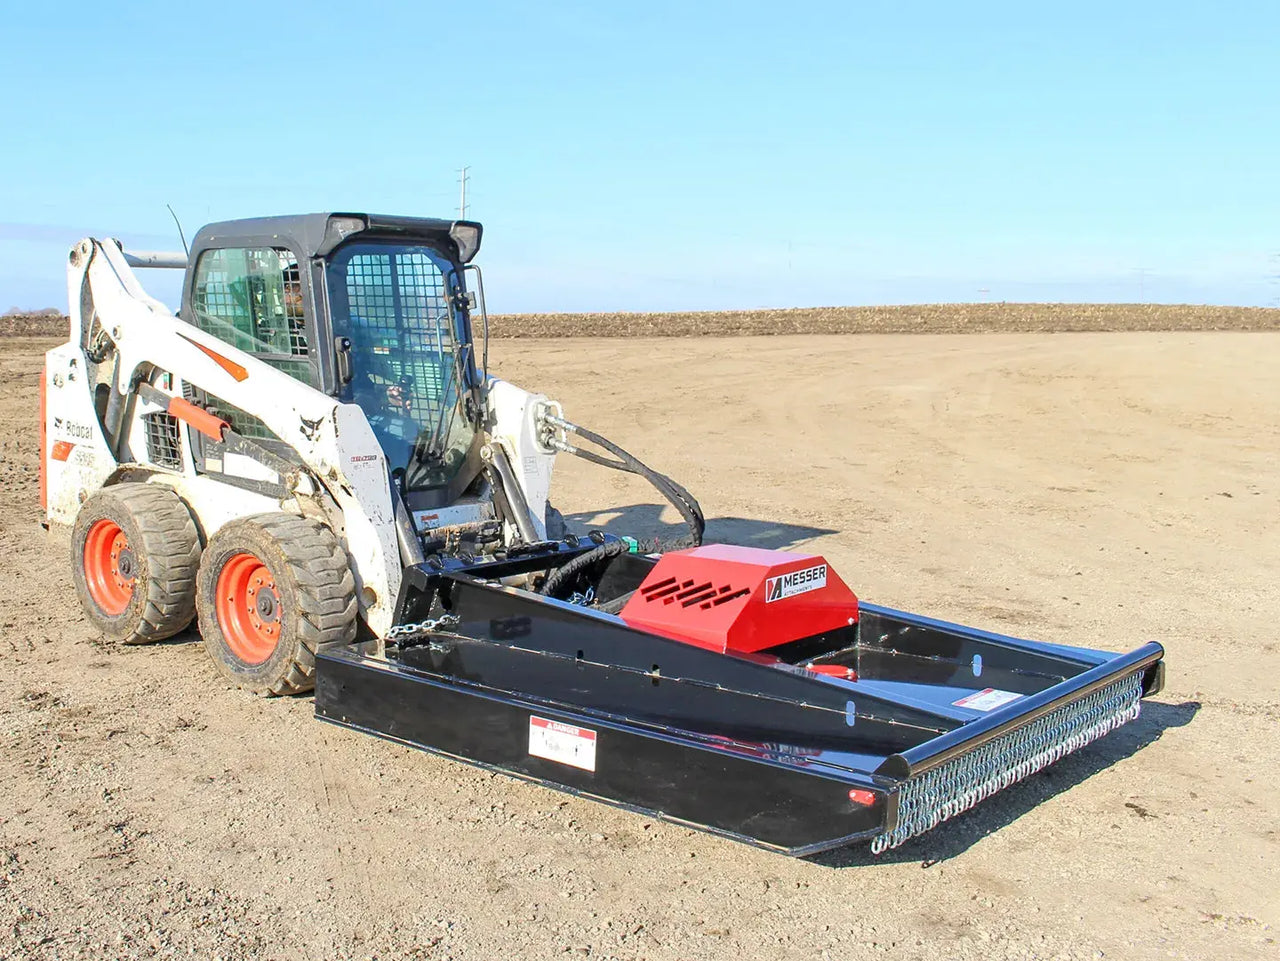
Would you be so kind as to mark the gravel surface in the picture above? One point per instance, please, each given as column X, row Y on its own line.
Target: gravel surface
column 1098, row 489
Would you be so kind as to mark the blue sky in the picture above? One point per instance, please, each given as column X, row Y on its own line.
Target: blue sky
column 673, row 155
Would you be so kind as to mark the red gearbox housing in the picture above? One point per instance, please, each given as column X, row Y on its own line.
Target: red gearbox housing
column 742, row 599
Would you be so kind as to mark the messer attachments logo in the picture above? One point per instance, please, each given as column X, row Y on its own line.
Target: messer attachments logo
column 797, row 582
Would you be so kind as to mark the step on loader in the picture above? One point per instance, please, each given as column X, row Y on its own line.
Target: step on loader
column 312, row 462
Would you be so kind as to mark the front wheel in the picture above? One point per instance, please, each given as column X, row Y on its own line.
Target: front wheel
column 272, row 590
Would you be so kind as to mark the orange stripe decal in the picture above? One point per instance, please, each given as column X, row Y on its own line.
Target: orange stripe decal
column 230, row 366
column 61, row 449
column 201, row 420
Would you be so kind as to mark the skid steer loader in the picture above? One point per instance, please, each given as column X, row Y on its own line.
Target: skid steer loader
column 311, row 461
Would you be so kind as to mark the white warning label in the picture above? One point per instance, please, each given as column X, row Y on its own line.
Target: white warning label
column 987, row 700
column 565, row 743
column 797, row 582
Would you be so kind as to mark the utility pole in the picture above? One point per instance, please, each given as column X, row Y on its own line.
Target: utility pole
column 1142, row 282
column 462, row 203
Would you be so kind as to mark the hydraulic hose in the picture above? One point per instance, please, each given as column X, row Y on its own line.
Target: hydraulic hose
column 680, row 499
column 566, row 572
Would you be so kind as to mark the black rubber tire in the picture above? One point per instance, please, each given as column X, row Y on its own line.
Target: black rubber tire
column 316, row 590
column 165, row 546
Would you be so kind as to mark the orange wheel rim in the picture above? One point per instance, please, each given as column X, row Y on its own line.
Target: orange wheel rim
column 248, row 608
column 110, row 567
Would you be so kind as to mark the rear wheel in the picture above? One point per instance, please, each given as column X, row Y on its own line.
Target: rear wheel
column 134, row 551
column 273, row 589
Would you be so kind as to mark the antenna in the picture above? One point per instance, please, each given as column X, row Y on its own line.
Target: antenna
column 181, row 236
column 462, row 202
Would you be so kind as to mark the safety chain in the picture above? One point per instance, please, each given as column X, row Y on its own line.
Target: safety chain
column 402, row 632
column 584, row 599
column 928, row 799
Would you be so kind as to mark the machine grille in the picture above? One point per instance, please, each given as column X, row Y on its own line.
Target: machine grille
column 928, row 799
column 164, row 442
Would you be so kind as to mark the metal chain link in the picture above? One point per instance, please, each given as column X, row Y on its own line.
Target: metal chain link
column 928, row 799
column 584, row 599
column 431, row 626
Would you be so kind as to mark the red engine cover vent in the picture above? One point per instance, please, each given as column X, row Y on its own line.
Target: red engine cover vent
column 705, row 595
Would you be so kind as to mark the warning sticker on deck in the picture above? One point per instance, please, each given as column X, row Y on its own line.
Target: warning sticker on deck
column 564, row 743
column 987, row 700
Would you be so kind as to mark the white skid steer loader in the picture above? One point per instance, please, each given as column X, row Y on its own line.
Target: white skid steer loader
column 313, row 420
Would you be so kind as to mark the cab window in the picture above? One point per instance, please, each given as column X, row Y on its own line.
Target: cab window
column 251, row 298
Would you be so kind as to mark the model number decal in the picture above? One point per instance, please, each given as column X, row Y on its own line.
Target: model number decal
column 565, row 743
column 797, row 582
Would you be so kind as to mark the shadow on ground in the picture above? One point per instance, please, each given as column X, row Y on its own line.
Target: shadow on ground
column 956, row 836
column 645, row 520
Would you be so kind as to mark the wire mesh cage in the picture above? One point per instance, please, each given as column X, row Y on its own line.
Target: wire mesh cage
column 409, row 364
column 164, row 442
column 401, row 327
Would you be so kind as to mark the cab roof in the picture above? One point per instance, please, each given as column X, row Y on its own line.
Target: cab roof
column 315, row 235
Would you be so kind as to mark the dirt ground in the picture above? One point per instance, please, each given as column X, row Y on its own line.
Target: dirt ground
column 1101, row 489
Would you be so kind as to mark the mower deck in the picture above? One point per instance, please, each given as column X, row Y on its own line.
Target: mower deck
column 876, row 733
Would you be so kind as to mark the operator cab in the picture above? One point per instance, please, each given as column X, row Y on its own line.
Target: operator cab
column 373, row 311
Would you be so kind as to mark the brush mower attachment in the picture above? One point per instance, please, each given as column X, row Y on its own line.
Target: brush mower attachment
column 745, row 692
